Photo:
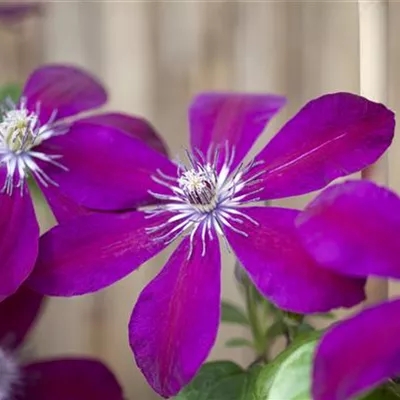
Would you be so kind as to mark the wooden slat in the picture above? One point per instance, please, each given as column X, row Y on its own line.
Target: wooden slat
column 66, row 327
column 154, row 56
column 373, row 25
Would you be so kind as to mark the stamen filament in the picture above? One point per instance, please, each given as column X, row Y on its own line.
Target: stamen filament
column 165, row 176
column 20, row 133
column 229, row 225
column 206, row 195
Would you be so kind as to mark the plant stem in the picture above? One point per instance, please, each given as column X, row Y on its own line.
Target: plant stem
column 291, row 333
column 251, row 307
column 292, row 322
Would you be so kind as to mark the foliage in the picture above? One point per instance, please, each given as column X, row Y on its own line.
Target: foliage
column 287, row 376
column 221, row 380
column 12, row 91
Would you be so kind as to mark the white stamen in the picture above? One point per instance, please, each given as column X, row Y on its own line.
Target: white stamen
column 207, row 195
column 20, row 133
column 165, row 176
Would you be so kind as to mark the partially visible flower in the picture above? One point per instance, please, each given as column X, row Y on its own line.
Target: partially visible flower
column 15, row 11
column 91, row 157
column 354, row 229
column 58, row 379
column 175, row 322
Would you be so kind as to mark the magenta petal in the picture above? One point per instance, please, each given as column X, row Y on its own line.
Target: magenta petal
column 17, row 314
column 332, row 136
column 354, row 228
column 89, row 253
column 234, row 119
column 62, row 206
column 136, row 127
column 107, row 169
column 69, row 90
column 70, row 379
column 175, row 321
column 358, row 353
column 282, row 269
column 19, row 232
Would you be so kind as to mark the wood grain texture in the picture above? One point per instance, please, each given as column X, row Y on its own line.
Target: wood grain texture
column 373, row 28
column 154, row 56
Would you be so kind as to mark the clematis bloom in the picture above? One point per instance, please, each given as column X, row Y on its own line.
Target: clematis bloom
column 175, row 321
column 41, row 139
column 61, row 379
column 354, row 229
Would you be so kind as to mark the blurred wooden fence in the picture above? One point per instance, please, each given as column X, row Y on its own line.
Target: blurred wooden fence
column 154, row 56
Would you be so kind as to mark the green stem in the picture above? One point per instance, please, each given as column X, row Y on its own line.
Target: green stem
column 292, row 322
column 251, row 307
column 291, row 333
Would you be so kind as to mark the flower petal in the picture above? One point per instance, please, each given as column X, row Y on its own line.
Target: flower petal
column 92, row 252
column 282, row 269
column 137, row 127
column 77, row 379
column 354, row 228
column 19, row 232
column 358, row 353
column 69, row 90
column 175, row 321
column 17, row 314
column 217, row 119
column 107, row 169
column 332, row 136
column 63, row 207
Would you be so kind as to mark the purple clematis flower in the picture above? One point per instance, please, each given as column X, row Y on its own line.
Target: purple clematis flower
column 354, row 229
column 175, row 321
column 39, row 138
column 61, row 379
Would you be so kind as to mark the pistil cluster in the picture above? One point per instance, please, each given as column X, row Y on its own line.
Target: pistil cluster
column 20, row 133
column 206, row 196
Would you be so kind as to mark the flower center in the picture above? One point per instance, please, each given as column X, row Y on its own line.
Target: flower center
column 200, row 186
column 207, row 197
column 9, row 375
column 17, row 130
column 20, row 133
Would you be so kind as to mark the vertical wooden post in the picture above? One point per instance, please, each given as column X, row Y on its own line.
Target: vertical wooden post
column 373, row 18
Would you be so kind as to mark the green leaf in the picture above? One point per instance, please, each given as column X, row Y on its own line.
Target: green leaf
column 292, row 380
column 230, row 388
column 231, row 313
column 239, row 342
column 249, row 392
column 208, row 378
column 278, row 328
column 13, row 91
column 221, row 380
column 384, row 392
column 288, row 376
column 237, row 387
column 305, row 328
